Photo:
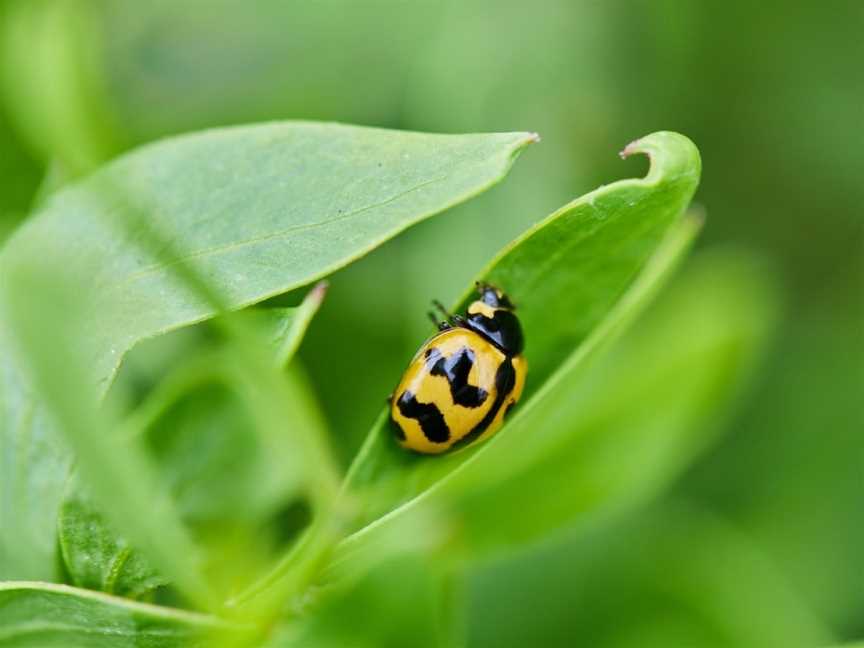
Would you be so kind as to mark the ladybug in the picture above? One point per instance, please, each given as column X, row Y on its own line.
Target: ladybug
column 464, row 379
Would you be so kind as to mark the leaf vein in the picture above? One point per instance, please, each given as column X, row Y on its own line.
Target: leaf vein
column 235, row 245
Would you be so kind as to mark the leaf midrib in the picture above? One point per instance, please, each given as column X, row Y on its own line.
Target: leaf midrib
column 116, row 602
column 228, row 247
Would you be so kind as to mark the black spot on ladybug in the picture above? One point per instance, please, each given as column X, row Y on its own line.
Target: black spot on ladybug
column 505, row 381
column 427, row 415
column 456, row 369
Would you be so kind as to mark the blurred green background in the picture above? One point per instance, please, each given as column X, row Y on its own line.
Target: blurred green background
column 772, row 518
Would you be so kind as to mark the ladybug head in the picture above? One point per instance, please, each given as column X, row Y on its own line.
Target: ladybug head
column 492, row 317
column 494, row 297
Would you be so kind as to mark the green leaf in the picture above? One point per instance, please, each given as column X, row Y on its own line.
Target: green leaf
column 614, row 434
column 43, row 615
column 603, row 239
column 517, row 466
column 257, row 210
column 253, row 211
column 567, row 275
column 199, row 429
column 96, row 558
column 51, row 336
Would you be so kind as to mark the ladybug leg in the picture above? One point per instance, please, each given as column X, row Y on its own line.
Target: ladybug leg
column 454, row 320
column 450, row 320
column 441, row 326
column 437, row 304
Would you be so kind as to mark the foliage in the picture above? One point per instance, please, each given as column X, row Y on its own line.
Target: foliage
column 128, row 279
column 181, row 418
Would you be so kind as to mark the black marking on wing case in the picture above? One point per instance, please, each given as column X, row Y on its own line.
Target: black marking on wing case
column 427, row 415
column 505, row 381
column 456, row 369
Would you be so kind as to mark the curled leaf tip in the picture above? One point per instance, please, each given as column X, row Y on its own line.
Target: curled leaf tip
column 629, row 150
column 533, row 138
column 672, row 156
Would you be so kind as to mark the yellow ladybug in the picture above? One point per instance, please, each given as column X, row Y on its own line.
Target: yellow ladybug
column 463, row 380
